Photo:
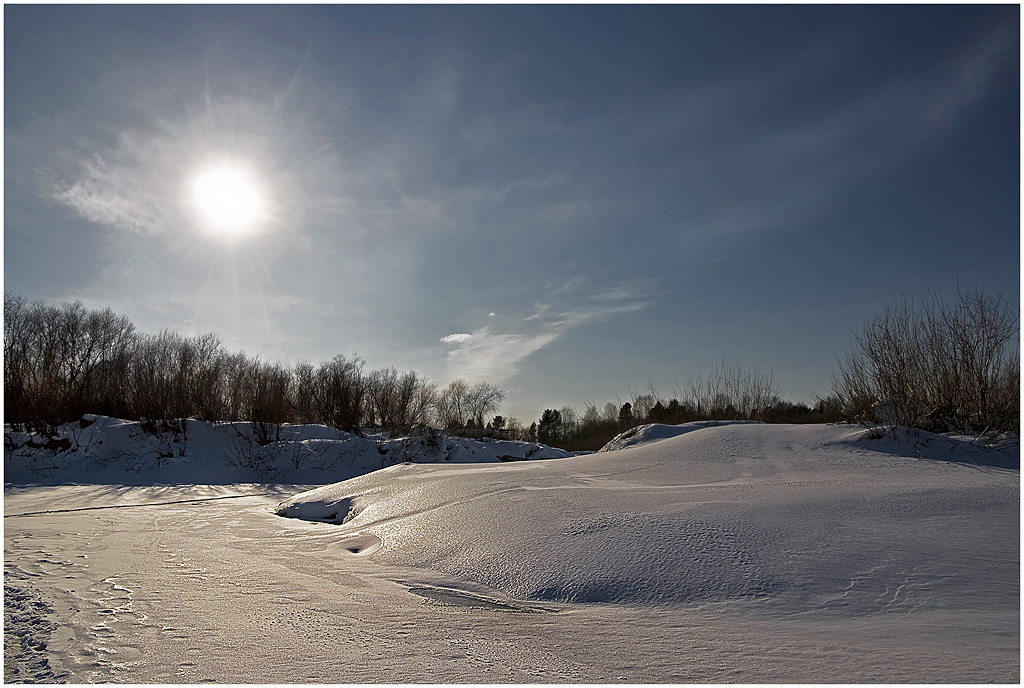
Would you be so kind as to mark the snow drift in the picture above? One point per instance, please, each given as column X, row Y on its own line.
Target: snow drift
column 787, row 518
column 653, row 432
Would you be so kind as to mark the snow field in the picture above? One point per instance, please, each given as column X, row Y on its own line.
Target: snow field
column 737, row 553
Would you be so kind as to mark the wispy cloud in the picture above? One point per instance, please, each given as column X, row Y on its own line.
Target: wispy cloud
column 140, row 183
column 128, row 189
column 968, row 77
column 490, row 356
column 123, row 156
column 495, row 355
column 741, row 176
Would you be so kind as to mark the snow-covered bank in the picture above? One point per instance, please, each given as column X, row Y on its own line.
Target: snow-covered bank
column 102, row 450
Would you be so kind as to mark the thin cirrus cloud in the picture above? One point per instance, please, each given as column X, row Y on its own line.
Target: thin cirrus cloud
column 488, row 354
column 123, row 155
column 804, row 166
column 128, row 189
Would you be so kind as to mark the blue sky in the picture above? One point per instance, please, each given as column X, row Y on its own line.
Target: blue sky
column 566, row 201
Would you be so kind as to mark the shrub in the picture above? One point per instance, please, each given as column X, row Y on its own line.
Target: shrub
column 943, row 367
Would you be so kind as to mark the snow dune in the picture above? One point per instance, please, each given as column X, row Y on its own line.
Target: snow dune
column 787, row 519
column 653, row 432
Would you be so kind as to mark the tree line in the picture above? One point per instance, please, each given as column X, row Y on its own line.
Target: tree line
column 726, row 393
column 61, row 362
column 943, row 366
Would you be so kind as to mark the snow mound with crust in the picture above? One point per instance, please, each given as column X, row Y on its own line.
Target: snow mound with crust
column 654, row 432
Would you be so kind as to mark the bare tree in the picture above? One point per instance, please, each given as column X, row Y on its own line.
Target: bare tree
column 304, row 377
column 459, row 404
column 514, row 429
column 268, row 400
column 235, row 367
column 570, row 429
column 453, row 405
column 381, row 406
column 339, row 392
column 422, row 400
column 642, row 405
column 202, row 373
column 731, row 393
column 484, row 399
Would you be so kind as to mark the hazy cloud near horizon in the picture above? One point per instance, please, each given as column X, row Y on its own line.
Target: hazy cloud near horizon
column 469, row 190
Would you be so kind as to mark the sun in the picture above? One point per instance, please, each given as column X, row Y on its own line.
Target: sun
column 228, row 200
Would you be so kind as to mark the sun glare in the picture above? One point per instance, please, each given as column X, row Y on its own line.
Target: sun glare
column 228, row 200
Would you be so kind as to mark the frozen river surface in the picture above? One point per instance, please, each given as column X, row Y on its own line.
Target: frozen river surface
column 791, row 556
